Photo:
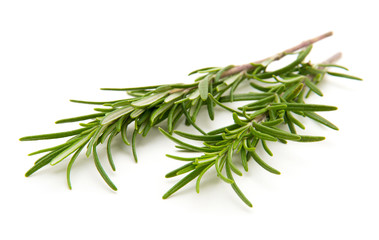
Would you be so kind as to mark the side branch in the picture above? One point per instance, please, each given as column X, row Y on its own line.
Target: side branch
column 248, row 66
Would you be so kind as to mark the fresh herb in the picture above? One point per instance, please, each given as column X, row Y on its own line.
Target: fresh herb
column 277, row 98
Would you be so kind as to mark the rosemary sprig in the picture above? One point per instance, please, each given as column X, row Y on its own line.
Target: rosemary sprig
column 280, row 98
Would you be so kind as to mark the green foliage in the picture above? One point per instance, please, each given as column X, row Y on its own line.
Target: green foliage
column 275, row 97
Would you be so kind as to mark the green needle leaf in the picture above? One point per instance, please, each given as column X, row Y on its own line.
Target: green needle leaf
column 332, row 65
column 76, row 119
column 309, row 107
column 293, row 92
column 149, row 100
column 69, row 166
column 236, row 188
column 53, row 135
column 302, row 55
column 313, row 87
column 344, row 76
column 320, row 119
column 210, row 109
column 124, row 137
column 135, row 132
column 188, row 146
column 188, row 178
column 219, row 73
column 305, row 138
column 116, row 114
column 189, row 119
column 265, row 147
column 91, row 102
column 43, row 161
column 175, row 172
column 203, row 88
column 263, row 164
column 195, row 94
column 180, row 158
column 225, row 107
column 173, row 96
column 244, row 97
column 71, row 149
column 109, row 153
column 100, row 169
column 229, row 161
column 137, row 112
column 276, row 132
column 219, row 174
column 244, row 159
column 130, row 89
column 203, row 70
column 159, row 111
column 262, row 135
column 201, row 175
column 199, row 137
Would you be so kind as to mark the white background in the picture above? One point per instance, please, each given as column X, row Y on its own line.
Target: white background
column 52, row 51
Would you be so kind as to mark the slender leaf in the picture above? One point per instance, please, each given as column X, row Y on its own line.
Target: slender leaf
column 188, row 178
column 266, row 148
column 159, row 111
column 332, row 65
column 53, row 135
column 263, row 164
column 194, row 95
column 236, row 188
column 305, row 138
column 70, row 149
column 135, row 132
column 80, row 118
column 187, row 167
column 199, row 137
column 43, row 161
column 150, row 100
column 229, row 161
column 100, row 169
column 210, row 108
column 244, row 97
column 276, row 132
column 220, row 72
column 189, row 119
column 70, row 164
column 203, row 88
column 293, row 92
column 173, row 96
column 309, row 107
column 188, row 146
column 207, row 167
column 116, row 114
column 344, row 76
column 302, row 55
column 218, row 170
column 137, row 112
column 181, row 158
column 313, row 87
column 203, row 70
column 109, row 153
column 262, row 135
column 320, row 119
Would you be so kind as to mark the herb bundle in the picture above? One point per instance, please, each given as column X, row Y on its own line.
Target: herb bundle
column 277, row 99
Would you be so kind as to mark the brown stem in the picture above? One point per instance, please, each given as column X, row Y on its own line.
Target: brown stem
column 248, row 66
column 333, row 59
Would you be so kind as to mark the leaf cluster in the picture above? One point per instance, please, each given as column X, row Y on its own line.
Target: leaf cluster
column 278, row 98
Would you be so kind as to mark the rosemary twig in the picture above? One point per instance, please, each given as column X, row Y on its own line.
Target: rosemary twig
column 278, row 98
